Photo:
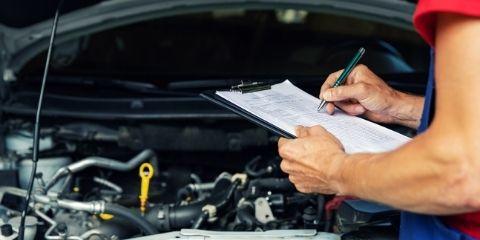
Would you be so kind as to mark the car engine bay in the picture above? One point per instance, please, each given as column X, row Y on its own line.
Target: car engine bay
column 96, row 196
column 128, row 148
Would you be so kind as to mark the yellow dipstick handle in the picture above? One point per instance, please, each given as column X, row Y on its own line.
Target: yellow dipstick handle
column 145, row 173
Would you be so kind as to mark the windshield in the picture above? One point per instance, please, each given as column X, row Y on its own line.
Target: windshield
column 236, row 43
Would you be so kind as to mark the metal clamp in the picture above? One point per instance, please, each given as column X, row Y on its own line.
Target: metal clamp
column 251, row 87
column 212, row 212
column 242, row 177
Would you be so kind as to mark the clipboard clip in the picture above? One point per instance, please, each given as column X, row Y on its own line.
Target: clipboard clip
column 250, row 87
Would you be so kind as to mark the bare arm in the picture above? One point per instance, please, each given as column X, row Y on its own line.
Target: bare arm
column 439, row 171
column 409, row 110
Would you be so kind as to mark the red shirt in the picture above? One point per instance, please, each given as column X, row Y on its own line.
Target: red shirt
column 425, row 22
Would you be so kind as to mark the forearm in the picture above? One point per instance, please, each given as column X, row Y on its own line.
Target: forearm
column 438, row 171
column 407, row 110
column 417, row 177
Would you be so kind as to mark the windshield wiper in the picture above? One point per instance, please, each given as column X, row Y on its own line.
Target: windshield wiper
column 132, row 86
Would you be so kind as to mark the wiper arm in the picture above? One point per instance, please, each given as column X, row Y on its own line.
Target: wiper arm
column 133, row 86
column 143, row 87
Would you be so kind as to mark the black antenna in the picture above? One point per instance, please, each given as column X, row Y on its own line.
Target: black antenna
column 36, row 133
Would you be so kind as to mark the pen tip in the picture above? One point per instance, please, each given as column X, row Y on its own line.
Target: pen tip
column 362, row 50
column 321, row 105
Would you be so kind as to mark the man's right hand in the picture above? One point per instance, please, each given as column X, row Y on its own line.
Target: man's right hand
column 364, row 93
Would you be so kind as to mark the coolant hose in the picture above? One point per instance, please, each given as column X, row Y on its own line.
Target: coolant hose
column 131, row 216
column 200, row 220
column 175, row 217
column 271, row 184
column 228, row 196
column 101, row 163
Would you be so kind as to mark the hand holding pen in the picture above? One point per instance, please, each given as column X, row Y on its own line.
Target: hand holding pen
column 343, row 77
column 366, row 94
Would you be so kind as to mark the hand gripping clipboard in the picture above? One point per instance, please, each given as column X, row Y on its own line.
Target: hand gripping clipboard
column 213, row 97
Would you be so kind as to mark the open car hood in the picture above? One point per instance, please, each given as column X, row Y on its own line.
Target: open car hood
column 19, row 45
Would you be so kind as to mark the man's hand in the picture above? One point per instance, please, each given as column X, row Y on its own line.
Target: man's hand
column 364, row 93
column 313, row 160
column 435, row 173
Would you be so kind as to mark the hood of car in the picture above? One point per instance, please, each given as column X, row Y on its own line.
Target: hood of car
column 19, row 15
column 24, row 37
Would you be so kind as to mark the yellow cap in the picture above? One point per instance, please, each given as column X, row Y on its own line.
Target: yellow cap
column 105, row 216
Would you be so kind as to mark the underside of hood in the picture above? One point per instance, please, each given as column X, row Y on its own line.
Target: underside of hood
column 20, row 41
column 24, row 13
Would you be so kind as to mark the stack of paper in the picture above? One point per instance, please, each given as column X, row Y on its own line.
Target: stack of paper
column 286, row 106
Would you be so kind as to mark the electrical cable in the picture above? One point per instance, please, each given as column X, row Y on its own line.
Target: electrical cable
column 36, row 133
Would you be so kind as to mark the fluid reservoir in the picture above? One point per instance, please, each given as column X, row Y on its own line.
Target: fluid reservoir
column 20, row 143
column 30, row 226
column 46, row 166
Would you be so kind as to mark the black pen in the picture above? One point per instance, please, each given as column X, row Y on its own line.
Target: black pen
column 343, row 77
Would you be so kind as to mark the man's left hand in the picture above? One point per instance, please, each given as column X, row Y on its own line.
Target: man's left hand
column 313, row 160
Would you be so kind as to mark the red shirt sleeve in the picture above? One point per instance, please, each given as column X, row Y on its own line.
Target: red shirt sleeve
column 425, row 16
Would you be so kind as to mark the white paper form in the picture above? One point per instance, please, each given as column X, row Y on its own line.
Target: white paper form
column 286, row 106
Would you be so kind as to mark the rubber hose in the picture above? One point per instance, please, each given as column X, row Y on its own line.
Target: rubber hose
column 245, row 218
column 219, row 205
column 250, row 168
column 185, row 215
column 200, row 220
column 131, row 216
column 228, row 196
column 272, row 184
